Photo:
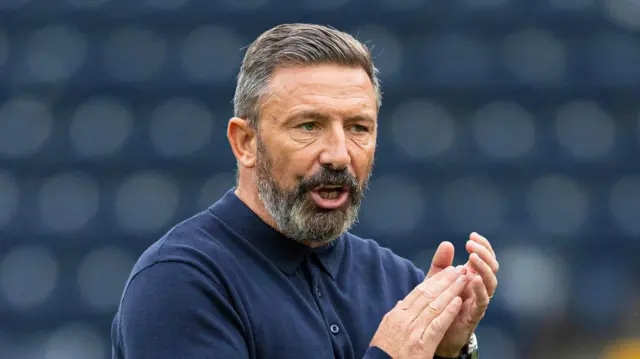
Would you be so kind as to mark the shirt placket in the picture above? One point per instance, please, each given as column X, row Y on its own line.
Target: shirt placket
column 339, row 338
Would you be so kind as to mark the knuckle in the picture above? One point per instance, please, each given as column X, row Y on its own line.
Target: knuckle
column 430, row 334
column 452, row 310
column 416, row 328
column 452, row 276
column 437, row 327
column 400, row 307
column 426, row 293
column 387, row 317
column 391, row 317
column 424, row 341
column 434, row 309
column 411, row 326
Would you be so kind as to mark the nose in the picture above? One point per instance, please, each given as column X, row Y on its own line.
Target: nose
column 335, row 154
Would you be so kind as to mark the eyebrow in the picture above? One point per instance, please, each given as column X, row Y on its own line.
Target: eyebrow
column 319, row 116
column 308, row 114
column 360, row 118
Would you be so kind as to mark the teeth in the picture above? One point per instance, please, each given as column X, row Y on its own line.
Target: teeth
column 330, row 195
column 331, row 187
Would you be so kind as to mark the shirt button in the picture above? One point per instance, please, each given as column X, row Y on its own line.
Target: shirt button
column 318, row 292
column 334, row 329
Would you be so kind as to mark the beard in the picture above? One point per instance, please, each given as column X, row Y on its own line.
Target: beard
column 296, row 214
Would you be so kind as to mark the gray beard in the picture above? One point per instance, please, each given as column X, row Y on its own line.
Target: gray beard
column 296, row 215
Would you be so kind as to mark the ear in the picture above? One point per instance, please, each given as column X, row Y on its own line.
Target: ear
column 242, row 138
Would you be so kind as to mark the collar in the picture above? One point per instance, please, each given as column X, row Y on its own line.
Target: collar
column 286, row 253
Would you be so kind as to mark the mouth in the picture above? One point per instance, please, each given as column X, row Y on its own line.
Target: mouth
column 330, row 197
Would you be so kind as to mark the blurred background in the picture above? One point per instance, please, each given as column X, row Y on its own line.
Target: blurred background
column 517, row 119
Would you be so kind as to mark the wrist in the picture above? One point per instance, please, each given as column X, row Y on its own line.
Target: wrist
column 448, row 353
column 469, row 351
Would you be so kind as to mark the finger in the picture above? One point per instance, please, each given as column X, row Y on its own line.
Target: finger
column 419, row 290
column 484, row 253
column 467, row 304
column 434, row 308
column 479, row 306
column 485, row 272
column 468, row 291
column 438, row 327
column 442, row 259
column 431, row 291
column 483, row 241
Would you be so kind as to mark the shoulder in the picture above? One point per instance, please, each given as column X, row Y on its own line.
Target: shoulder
column 199, row 242
column 193, row 259
column 153, row 321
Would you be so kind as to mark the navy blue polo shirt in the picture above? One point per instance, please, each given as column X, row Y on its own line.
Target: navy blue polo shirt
column 224, row 284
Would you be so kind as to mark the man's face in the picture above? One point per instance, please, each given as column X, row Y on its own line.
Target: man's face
column 316, row 144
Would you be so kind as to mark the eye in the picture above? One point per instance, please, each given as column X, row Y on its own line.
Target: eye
column 359, row 128
column 309, row 126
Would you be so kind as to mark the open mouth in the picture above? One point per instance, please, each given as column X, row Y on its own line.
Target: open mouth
column 330, row 192
column 330, row 197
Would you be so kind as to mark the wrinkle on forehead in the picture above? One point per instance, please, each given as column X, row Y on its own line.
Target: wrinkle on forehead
column 325, row 85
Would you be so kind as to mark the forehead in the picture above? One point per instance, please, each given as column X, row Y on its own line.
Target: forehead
column 333, row 88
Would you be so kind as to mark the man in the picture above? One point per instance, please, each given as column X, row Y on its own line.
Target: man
column 270, row 270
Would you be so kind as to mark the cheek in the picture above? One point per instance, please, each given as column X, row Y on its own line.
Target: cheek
column 301, row 164
column 362, row 159
column 292, row 168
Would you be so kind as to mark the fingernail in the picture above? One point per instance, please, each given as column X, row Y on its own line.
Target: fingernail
column 462, row 279
column 459, row 268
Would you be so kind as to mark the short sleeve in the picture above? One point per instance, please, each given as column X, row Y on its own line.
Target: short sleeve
column 171, row 310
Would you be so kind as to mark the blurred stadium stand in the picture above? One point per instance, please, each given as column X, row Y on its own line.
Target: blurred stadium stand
column 517, row 119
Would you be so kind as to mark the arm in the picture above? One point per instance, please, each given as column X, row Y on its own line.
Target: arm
column 171, row 310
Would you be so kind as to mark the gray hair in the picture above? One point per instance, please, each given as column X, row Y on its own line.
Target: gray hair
column 295, row 45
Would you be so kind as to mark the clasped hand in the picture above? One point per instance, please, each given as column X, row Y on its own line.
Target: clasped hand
column 441, row 313
column 482, row 268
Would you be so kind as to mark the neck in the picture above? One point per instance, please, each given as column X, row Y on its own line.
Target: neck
column 247, row 192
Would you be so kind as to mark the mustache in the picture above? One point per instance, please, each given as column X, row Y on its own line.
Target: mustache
column 329, row 177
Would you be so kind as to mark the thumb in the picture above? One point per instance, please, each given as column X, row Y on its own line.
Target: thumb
column 442, row 259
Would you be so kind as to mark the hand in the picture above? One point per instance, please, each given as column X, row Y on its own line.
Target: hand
column 481, row 272
column 416, row 325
